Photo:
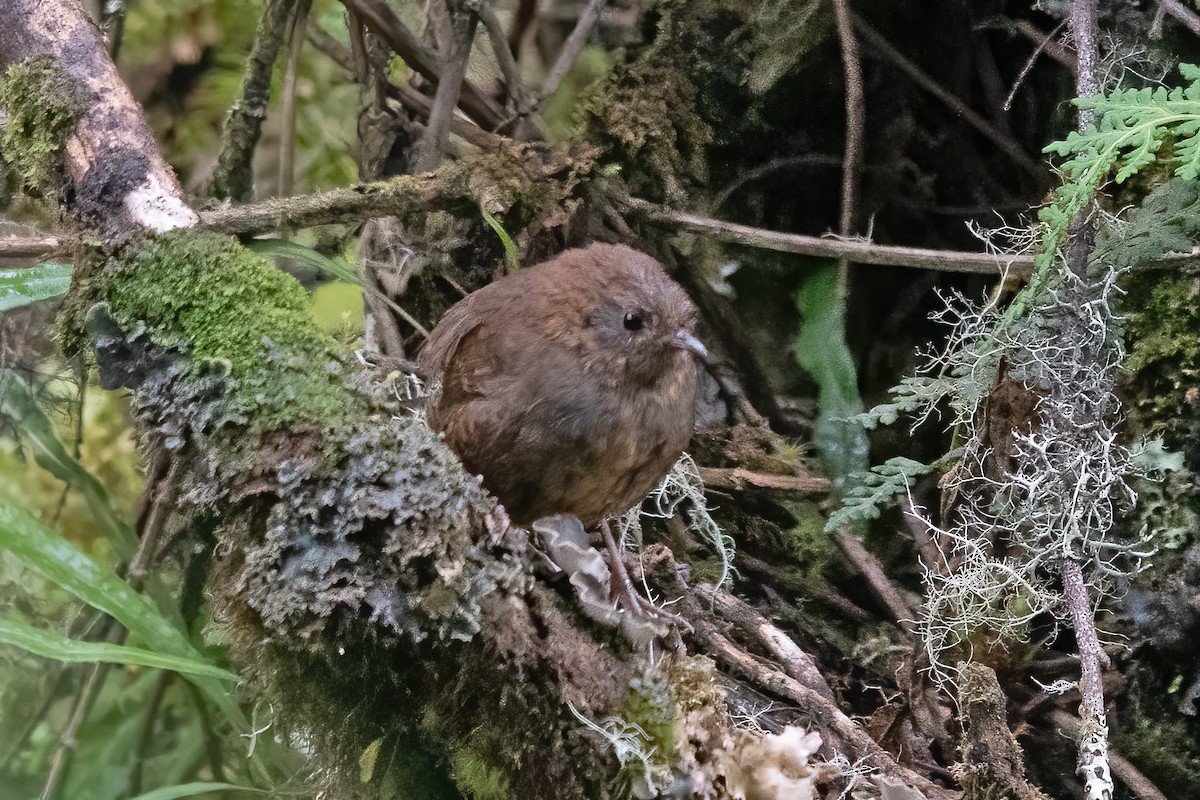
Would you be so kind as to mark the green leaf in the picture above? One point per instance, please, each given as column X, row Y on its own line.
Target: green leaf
column 870, row 491
column 51, row 644
column 18, row 403
column 279, row 249
column 821, row 350
column 193, row 789
column 512, row 257
column 59, row 561
column 21, row 287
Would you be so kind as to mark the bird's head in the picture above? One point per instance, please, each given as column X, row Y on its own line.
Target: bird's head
column 640, row 322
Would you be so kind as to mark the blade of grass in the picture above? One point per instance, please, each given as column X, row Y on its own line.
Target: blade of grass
column 57, row 560
column 21, row 287
column 51, row 644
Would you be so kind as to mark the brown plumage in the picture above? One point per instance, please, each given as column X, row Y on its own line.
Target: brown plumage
column 570, row 385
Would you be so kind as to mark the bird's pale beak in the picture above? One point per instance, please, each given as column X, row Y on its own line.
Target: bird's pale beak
column 686, row 341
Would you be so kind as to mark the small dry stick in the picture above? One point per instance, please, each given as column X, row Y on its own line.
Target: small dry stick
column 287, row 133
column 1033, row 57
column 573, row 46
column 1182, row 13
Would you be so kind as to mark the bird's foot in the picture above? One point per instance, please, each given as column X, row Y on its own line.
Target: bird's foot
column 627, row 594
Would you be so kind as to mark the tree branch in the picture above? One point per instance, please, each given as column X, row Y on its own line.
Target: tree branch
column 115, row 177
column 1006, row 145
column 233, row 176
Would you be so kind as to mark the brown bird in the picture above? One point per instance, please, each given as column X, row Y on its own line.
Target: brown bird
column 568, row 386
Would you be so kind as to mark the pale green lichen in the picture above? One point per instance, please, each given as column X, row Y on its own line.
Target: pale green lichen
column 43, row 106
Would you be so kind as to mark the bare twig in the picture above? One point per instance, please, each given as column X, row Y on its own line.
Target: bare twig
column 287, row 133
column 456, row 32
column 1006, row 144
column 60, row 762
column 573, row 46
column 853, row 152
column 385, row 24
column 1038, row 49
column 880, row 585
column 738, row 479
column 408, row 97
column 860, row 252
column 233, row 177
column 794, row 661
column 1058, row 52
column 1182, row 13
column 855, row 110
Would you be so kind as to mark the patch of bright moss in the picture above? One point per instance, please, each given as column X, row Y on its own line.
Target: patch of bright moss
column 475, row 778
column 233, row 308
column 811, row 547
column 43, row 105
column 651, row 706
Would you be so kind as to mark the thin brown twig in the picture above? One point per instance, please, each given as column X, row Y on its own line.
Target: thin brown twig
column 456, row 32
column 860, row 252
column 287, row 133
column 1181, row 13
column 1006, row 144
column 1058, row 52
column 573, row 46
column 503, row 54
column 385, row 24
column 855, row 112
column 1038, row 49
column 408, row 97
column 60, row 762
column 794, row 661
column 853, row 151
column 880, row 585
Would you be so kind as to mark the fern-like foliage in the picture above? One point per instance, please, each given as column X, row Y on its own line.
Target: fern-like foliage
column 868, row 492
column 1130, row 129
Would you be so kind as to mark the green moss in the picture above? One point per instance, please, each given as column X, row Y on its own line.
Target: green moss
column 232, row 311
column 1164, row 327
column 43, row 104
column 475, row 778
column 651, row 706
column 810, row 546
column 1165, row 751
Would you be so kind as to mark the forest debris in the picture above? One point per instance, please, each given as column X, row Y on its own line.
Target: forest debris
column 993, row 764
column 739, row 480
column 777, row 766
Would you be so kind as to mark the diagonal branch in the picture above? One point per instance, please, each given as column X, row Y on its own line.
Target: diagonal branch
column 387, row 26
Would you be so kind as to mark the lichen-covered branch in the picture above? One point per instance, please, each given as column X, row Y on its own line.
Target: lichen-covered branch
column 75, row 129
column 233, row 175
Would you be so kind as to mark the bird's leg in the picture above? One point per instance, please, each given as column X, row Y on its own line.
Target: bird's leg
column 624, row 584
column 636, row 604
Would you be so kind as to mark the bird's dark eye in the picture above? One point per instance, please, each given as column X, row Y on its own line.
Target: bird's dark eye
column 633, row 320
